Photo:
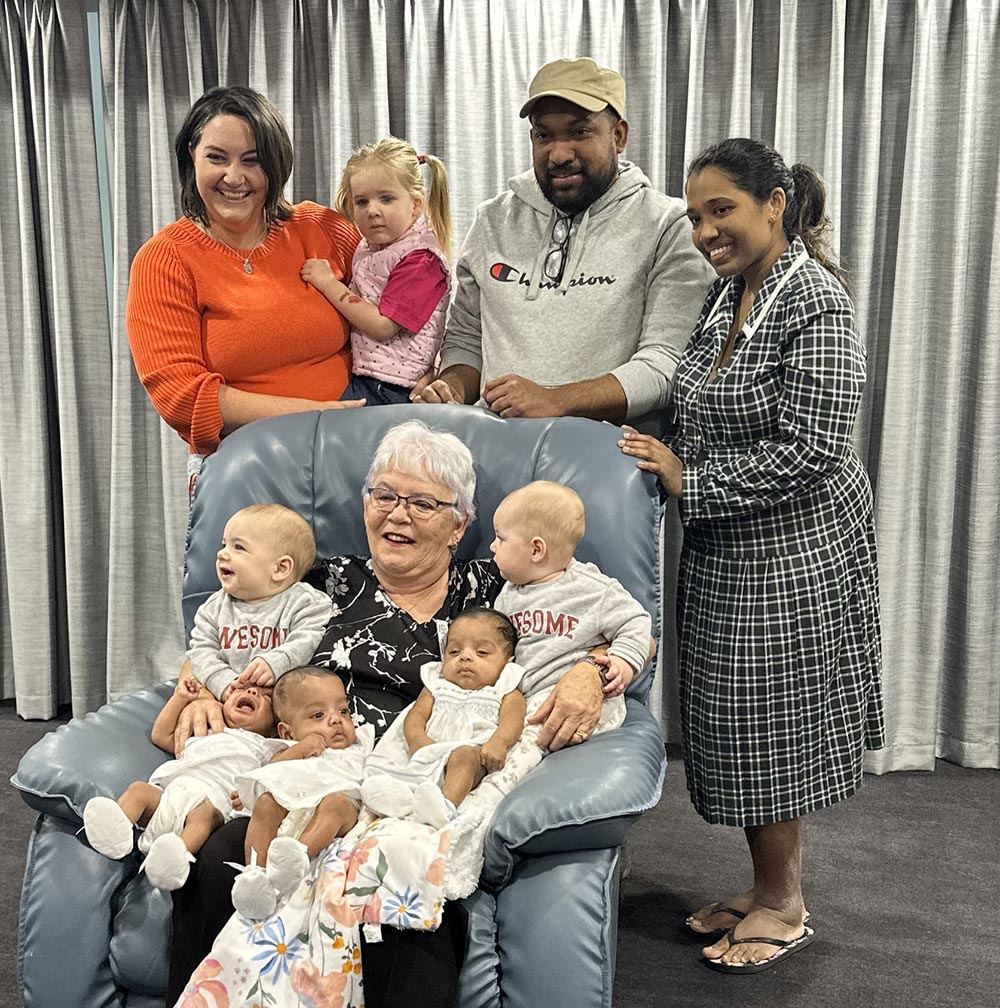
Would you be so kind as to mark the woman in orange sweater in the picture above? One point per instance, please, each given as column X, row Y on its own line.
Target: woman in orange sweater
column 223, row 330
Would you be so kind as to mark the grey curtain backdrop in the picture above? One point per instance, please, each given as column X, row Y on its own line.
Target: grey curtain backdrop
column 896, row 104
column 56, row 357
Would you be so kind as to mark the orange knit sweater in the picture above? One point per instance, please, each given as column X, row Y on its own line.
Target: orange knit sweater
column 196, row 319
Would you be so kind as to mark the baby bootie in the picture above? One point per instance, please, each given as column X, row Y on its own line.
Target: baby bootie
column 430, row 805
column 168, row 862
column 253, row 895
column 287, row 864
column 108, row 829
column 385, row 796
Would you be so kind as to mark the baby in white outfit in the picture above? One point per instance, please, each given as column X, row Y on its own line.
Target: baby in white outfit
column 186, row 798
column 309, row 793
column 460, row 727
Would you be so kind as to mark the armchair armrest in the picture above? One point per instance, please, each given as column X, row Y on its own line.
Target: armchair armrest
column 100, row 754
column 579, row 798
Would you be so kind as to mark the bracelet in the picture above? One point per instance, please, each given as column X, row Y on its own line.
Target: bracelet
column 602, row 670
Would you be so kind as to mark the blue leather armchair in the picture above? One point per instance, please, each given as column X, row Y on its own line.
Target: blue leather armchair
column 543, row 924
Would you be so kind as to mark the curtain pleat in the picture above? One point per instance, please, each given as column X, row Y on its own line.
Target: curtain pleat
column 54, row 408
column 896, row 105
column 938, row 457
column 154, row 58
column 340, row 98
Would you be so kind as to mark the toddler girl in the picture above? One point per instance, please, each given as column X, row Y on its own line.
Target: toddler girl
column 399, row 288
column 307, row 795
column 460, row 728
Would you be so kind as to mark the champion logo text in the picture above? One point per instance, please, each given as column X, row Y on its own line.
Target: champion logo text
column 505, row 273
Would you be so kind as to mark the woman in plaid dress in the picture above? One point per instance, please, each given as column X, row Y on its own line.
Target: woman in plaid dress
column 778, row 600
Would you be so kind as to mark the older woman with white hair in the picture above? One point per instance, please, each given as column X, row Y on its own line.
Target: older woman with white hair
column 418, row 500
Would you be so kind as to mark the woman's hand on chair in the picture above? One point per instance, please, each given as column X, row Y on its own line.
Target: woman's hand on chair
column 572, row 710
column 200, row 717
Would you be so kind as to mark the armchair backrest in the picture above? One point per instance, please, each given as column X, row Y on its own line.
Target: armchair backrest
column 316, row 463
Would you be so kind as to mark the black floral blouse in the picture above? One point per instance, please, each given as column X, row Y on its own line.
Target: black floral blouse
column 375, row 646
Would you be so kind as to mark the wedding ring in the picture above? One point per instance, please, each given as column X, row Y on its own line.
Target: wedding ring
column 582, row 735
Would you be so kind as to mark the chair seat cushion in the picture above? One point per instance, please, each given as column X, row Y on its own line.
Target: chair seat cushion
column 100, row 754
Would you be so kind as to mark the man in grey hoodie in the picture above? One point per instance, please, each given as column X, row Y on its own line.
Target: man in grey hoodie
column 578, row 288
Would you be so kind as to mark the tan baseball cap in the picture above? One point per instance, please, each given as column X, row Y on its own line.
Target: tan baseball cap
column 580, row 81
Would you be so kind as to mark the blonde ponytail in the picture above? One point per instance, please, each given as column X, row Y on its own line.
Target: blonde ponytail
column 439, row 203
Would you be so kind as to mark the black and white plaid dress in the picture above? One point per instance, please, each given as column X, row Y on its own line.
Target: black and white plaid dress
column 780, row 648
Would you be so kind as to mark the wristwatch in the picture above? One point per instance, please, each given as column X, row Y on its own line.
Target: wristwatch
column 602, row 670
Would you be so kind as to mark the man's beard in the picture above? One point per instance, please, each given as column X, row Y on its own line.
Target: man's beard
column 593, row 187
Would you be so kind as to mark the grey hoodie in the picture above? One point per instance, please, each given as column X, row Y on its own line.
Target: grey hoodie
column 626, row 305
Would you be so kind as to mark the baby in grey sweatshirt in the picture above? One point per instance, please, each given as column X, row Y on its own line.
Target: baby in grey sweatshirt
column 561, row 607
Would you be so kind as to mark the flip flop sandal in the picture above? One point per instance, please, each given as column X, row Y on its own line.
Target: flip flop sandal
column 716, row 933
column 785, row 948
column 716, row 908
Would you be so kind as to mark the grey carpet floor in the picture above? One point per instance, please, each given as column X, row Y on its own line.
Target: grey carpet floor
column 903, row 883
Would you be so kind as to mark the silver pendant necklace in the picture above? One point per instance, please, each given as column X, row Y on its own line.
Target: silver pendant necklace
column 247, row 268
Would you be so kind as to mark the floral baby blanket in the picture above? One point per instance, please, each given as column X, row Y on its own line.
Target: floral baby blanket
column 386, row 872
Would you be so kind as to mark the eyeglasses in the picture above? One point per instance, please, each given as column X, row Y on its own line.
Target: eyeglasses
column 417, row 506
column 555, row 261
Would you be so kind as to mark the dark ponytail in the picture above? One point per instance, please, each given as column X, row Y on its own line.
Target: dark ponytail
column 758, row 170
column 811, row 223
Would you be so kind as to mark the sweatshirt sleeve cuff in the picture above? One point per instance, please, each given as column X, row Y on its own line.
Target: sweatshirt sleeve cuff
column 636, row 659
column 279, row 661
column 217, row 682
column 451, row 356
column 645, row 388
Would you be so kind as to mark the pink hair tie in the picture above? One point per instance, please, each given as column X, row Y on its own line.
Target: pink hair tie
column 421, row 159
